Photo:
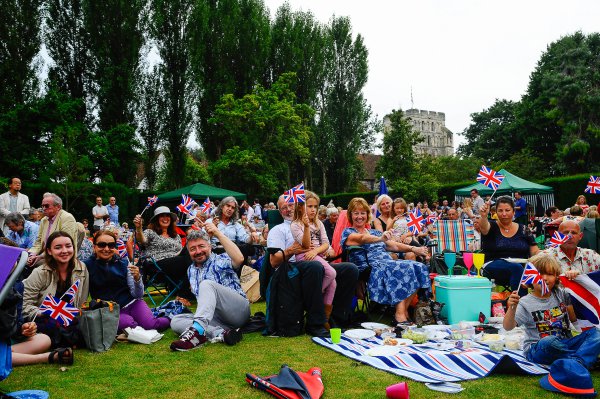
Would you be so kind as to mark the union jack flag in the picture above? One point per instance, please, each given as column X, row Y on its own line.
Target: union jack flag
column 489, row 177
column 431, row 218
column 532, row 276
column 557, row 239
column 295, row 194
column 186, row 204
column 415, row 221
column 121, row 248
column 59, row 310
column 69, row 295
column 593, row 186
column 205, row 207
column 152, row 200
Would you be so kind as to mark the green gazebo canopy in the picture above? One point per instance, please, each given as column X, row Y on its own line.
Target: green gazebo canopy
column 200, row 191
column 510, row 184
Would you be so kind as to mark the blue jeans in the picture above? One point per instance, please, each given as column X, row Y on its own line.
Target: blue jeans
column 583, row 348
column 505, row 273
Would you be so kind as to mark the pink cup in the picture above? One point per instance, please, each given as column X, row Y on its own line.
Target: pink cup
column 397, row 391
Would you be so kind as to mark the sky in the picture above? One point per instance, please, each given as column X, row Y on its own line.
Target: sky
column 458, row 56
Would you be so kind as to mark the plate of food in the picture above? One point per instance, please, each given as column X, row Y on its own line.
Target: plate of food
column 359, row 333
column 374, row 326
column 392, row 341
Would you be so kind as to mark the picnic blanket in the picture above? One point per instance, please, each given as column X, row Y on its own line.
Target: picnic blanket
column 427, row 363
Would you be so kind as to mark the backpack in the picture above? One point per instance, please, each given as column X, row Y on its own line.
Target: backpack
column 9, row 324
column 283, row 292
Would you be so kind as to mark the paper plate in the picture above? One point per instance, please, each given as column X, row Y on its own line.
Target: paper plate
column 383, row 350
column 436, row 327
column 29, row 394
column 359, row 333
column 496, row 320
column 374, row 326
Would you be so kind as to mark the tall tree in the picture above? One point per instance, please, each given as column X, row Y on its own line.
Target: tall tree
column 398, row 159
column 67, row 43
column 276, row 135
column 151, row 121
column 19, row 45
column 230, row 56
column 494, row 133
column 346, row 119
column 115, row 38
column 560, row 108
column 170, row 26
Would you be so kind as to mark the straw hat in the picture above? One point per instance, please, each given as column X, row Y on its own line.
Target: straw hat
column 163, row 210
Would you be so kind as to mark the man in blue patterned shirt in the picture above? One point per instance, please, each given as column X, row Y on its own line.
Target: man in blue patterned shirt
column 21, row 231
column 222, row 304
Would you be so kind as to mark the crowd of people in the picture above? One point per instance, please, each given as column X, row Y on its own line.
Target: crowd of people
column 207, row 259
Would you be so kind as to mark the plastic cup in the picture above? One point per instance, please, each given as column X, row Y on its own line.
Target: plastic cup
column 336, row 335
column 397, row 391
column 450, row 260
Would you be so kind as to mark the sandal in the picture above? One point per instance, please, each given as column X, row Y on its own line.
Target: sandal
column 65, row 356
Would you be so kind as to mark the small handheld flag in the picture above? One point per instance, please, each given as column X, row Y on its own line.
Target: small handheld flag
column 59, row 310
column 593, row 185
column 557, row 239
column 186, row 204
column 295, row 194
column 431, row 218
column 151, row 201
column 532, row 276
column 489, row 177
column 69, row 295
column 205, row 207
column 415, row 221
column 121, row 249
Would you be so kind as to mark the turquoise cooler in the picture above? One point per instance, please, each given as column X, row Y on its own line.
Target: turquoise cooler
column 464, row 297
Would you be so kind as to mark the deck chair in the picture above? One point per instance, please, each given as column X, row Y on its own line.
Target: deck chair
column 157, row 283
column 9, row 273
column 450, row 235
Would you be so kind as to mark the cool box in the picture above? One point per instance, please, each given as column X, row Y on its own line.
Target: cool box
column 464, row 297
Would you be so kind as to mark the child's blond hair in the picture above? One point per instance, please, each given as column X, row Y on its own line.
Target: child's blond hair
column 546, row 264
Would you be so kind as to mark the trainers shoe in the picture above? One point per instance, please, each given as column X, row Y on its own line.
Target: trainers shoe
column 232, row 337
column 190, row 339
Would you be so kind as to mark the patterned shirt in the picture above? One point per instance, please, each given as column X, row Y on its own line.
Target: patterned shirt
column 585, row 261
column 27, row 237
column 160, row 247
column 234, row 231
column 217, row 268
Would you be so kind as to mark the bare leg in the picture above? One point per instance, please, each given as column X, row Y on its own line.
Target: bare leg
column 402, row 309
column 33, row 351
column 410, row 256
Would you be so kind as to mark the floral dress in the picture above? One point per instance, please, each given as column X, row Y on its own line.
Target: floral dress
column 391, row 281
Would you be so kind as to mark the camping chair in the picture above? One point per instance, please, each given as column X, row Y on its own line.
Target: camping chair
column 591, row 233
column 157, row 282
column 9, row 256
column 449, row 235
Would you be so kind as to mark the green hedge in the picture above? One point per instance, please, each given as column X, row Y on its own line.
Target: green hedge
column 80, row 198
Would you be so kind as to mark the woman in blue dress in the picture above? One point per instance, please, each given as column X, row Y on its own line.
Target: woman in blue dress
column 392, row 282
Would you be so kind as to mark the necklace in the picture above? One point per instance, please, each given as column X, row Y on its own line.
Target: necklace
column 506, row 230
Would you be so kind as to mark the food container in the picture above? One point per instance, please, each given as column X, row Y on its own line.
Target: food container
column 496, row 346
column 417, row 335
column 461, row 332
column 513, row 342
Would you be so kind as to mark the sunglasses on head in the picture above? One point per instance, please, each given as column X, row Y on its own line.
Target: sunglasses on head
column 110, row 245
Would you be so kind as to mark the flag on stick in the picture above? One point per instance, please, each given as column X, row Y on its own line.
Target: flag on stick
column 532, row 276
column 151, row 201
column 593, row 185
column 59, row 310
column 415, row 221
column 295, row 194
column 186, row 204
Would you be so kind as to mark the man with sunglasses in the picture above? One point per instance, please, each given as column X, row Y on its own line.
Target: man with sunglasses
column 55, row 219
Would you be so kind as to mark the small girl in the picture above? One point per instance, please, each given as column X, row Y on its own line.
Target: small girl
column 309, row 232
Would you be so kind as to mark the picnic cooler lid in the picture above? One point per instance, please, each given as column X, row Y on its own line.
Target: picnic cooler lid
column 462, row 282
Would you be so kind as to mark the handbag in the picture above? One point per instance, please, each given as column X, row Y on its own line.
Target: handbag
column 99, row 323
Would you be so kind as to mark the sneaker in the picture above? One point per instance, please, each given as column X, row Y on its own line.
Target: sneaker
column 232, row 337
column 190, row 339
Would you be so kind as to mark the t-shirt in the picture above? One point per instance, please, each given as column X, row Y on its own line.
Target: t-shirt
column 522, row 204
column 99, row 210
column 542, row 317
column 496, row 246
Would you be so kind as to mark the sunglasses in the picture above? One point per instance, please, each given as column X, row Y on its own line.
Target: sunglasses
column 110, row 245
column 46, row 206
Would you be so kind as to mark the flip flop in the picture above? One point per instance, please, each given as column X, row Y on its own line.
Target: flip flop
column 65, row 356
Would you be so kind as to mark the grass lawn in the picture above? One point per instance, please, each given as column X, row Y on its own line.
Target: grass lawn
column 218, row 371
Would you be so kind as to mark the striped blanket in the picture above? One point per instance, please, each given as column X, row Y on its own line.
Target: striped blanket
column 426, row 363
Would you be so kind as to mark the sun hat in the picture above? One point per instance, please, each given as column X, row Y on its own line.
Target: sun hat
column 570, row 377
column 162, row 210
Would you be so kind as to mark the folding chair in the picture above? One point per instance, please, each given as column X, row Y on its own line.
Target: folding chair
column 157, row 282
column 450, row 235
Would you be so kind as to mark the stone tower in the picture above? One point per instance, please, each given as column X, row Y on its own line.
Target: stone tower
column 438, row 141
